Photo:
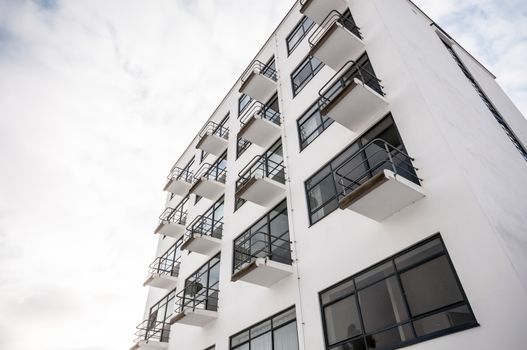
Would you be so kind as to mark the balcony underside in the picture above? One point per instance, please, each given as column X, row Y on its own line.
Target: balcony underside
column 202, row 244
column 356, row 106
column 382, row 196
column 337, row 46
column 213, row 144
column 263, row 272
column 210, row 189
column 198, row 318
column 150, row 345
column 170, row 229
column 259, row 87
column 259, row 131
column 162, row 281
column 317, row 10
column 261, row 190
column 179, row 187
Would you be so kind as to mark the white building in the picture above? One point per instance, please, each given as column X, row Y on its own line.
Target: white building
column 363, row 185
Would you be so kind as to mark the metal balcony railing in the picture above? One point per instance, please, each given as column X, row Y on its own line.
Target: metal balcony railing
column 332, row 18
column 370, row 160
column 204, row 226
column 261, row 166
column 262, row 111
column 196, row 296
column 214, row 172
column 152, row 330
column 212, row 128
column 180, row 174
column 259, row 67
column 261, row 244
column 177, row 215
column 168, row 263
column 343, row 78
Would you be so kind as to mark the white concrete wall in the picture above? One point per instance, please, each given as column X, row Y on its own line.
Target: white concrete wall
column 472, row 176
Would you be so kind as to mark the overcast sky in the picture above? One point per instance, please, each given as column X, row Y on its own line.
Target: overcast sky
column 97, row 100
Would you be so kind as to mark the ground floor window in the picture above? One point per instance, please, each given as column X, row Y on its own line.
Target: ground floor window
column 410, row 297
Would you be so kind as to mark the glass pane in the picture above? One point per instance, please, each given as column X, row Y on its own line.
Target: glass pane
column 240, row 338
column 261, row 328
column 390, row 338
column 430, row 286
column 342, row 320
column 444, row 320
column 263, row 342
column 284, row 318
column 321, row 193
column 382, row 305
column 419, row 254
column 338, row 292
column 286, row 338
column 355, row 344
column 325, row 210
column 375, row 274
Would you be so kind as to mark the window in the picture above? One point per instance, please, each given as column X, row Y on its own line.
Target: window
column 243, row 102
column 275, row 333
column 203, row 155
column 242, row 145
column 311, row 125
column 298, row 33
column 304, row 73
column 201, row 288
column 158, row 326
column 510, row 134
column 211, row 222
column 267, row 238
column 408, row 298
column 323, row 187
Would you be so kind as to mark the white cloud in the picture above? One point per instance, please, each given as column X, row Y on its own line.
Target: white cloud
column 97, row 99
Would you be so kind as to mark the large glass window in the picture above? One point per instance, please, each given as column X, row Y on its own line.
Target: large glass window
column 325, row 186
column 311, row 125
column 504, row 125
column 243, row 102
column 304, row 73
column 201, row 288
column 410, row 297
column 278, row 332
column 298, row 33
column 158, row 326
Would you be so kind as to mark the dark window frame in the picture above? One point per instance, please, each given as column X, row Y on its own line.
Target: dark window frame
column 299, row 26
column 241, row 100
column 314, row 71
column 326, row 122
column 272, row 329
column 411, row 319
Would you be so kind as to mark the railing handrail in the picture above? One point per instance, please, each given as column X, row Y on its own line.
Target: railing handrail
column 180, row 173
column 258, row 67
column 205, row 171
column 339, row 75
column 200, row 220
column 192, row 300
column 171, row 215
column 333, row 17
column 269, row 243
column 213, row 128
column 385, row 147
column 260, row 109
column 145, row 330
column 259, row 163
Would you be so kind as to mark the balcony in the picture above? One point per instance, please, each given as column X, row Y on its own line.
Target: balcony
column 353, row 97
column 318, row 9
column 337, row 40
column 152, row 335
column 179, row 181
column 172, row 222
column 259, row 81
column 203, row 236
column 210, row 181
column 196, row 305
column 378, row 181
column 164, row 270
column 260, row 125
column 262, row 181
column 262, row 258
column 213, row 139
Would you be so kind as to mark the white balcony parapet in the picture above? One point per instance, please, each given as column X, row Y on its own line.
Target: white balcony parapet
column 179, row 182
column 209, row 181
column 164, row 270
column 203, row 236
column 353, row 98
column 262, row 181
column 213, row 139
column 196, row 305
column 263, row 272
column 336, row 41
column 259, row 81
column 317, row 10
column 172, row 222
column 378, row 181
column 260, row 125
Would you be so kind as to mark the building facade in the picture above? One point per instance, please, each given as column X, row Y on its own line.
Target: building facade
column 361, row 186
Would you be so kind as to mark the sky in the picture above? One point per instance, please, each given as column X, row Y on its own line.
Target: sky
column 97, row 100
